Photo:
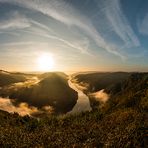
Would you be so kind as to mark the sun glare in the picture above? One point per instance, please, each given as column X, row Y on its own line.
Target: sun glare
column 45, row 62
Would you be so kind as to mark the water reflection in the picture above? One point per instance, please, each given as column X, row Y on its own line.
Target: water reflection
column 83, row 103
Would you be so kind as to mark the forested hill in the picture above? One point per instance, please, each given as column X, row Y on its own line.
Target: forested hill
column 121, row 87
column 38, row 90
column 7, row 78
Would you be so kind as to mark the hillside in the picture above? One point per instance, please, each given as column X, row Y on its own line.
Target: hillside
column 116, row 85
column 49, row 90
column 99, row 80
column 7, row 78
column 120, row 122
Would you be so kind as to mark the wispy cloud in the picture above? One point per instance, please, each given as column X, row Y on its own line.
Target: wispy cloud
column 14, row 21
column 118, row 22
column 81, row 46
column 17, row 20
column 9, row 33
column 18, row 43
column 65, row 13
column 40, row 25
column 41, row 30
column 143, row 25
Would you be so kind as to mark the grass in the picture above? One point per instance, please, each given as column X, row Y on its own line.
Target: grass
column 120, row 128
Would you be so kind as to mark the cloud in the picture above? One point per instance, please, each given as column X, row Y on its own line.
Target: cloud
column 120, row 24
column 19, row 43
column 78, row 45
column 65, row 13
column 100, row 96
column 14, row 21
column 40, row 25
column 9, row 33
column 19, row 21
column 143, row 25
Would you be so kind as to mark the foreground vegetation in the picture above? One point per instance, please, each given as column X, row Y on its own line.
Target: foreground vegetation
column 122, row 128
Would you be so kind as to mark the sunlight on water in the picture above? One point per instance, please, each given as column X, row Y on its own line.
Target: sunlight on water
column 83, row 103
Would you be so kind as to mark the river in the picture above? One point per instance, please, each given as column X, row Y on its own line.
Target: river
column 83, row 103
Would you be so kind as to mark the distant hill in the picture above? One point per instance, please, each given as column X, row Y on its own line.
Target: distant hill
column 100, row 80
column 7, row 78
column 48, row 74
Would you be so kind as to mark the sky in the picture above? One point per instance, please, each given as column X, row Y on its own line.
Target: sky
column 79, row 35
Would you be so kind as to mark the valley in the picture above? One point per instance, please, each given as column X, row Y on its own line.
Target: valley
column 71, row 113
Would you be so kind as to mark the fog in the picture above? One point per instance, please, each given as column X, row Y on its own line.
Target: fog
column 23, row 108
column 30, row 81
column 100, row 96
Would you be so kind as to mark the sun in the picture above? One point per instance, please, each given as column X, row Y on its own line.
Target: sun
column 45, row 62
